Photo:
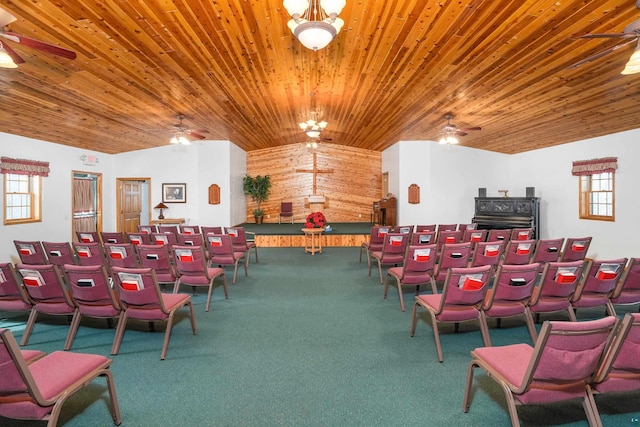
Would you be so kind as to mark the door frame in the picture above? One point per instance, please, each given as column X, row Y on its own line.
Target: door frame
column 119, row 182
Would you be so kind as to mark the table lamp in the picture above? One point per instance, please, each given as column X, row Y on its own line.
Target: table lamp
column 161, row 206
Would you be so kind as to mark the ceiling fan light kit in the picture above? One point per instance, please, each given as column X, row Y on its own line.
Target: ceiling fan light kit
column 315, row 23
column 449, row 133
column 5, row 59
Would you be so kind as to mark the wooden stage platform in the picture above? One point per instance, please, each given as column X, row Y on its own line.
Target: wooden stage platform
column 291, row 235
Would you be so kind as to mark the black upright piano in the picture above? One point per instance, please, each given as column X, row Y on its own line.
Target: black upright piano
column 507, row 212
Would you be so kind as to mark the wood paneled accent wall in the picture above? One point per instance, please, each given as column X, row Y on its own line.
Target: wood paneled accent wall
column 350, row 188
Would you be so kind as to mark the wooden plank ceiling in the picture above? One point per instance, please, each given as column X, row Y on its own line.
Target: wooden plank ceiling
column 233, row 68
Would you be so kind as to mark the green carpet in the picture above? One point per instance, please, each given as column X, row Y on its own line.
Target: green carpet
column 303, row 341
column 292, row 229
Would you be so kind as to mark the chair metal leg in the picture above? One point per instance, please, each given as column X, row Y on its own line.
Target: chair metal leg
column 29, row 328
column 73, row 329
column 466, row 401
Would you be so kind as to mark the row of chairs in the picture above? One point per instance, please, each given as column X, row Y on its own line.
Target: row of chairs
column 77, row 291
column 475, row 293
column 568, row 361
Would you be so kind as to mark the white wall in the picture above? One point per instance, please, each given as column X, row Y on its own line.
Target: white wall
column 197, row 165
column 56, row 190
column 449, row 178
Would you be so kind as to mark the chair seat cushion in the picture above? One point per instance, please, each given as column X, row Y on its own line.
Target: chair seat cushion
column 509, row 361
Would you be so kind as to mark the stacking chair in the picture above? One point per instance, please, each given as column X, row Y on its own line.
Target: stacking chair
column 454, row 255
column 190, row 239
column 113, row 237
column 13, row 296
column 87, row 236
column 510, row 293
column 599, row 280
column 92, row 293
column 139, row 238
column 89, row 253
column 404, row 229
column 426, row 227
column 168, row 239
column 521, row 234
column 159, row 258
column 286, row 211
column 627, row 292
column 193, row 270
column 465, row 227
column 31, row 252
column 556, row 288
column 486, row 253
column 558, row 368
column 499, row 234
column 474, row 236
column 59, row 253
column 620, row 371
column 547, row 250
column 575, row 248
column 121, row 255
column 147, row 229
column 167, row 229
column 423, row 238
column 460, row 301
column 448, row 237
column 46, row 288
column 447, row 227
column 142, row 299
column 211, row 230
column 416, row 270
column 189, row 229
column 38, row 390
column 518, row 252
column 222, row 253
column 376, row 238
column 240, row 242
column 392, row 252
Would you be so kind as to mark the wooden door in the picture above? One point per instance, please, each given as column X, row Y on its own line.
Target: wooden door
column 131, row 205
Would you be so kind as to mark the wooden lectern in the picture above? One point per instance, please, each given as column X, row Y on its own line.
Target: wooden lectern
column 316, row 202
column 384, row 212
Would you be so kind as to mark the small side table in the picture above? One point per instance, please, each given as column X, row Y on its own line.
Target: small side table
column 312, row 240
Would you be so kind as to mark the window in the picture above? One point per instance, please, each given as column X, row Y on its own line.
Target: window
column 22, row 201
column 597, row 196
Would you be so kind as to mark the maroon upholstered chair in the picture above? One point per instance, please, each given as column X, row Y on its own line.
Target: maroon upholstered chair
column 47, row 290
column 392, row 252
column 158, row 257
column 89, row 253
column 59, row 253
column 522, row 234
column 87, row 236
column 558, row 368
column 451, row 255
column 510, row 293
column 462, row 295
column 599, row 280
column 420, row 238
column 426, row 227
column 223, row 253
column 31, row 252
column 241, row 243
column 627, row 292
column 121, row 255
column 189, row 229
column 547, row 250
column 113, row 237
column 193, row 270
column 499, row 234
column 416, row 270
column 13, row 296
column 37, row 389
column 286, row 211
column 376, row 238
column 139, row 238
column 575, row 248
column 142, row 299
column 93, row 295
column 486, row 253
column 556, row 287
column 518, row 252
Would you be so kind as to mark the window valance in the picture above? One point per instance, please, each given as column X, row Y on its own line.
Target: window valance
column 24, row 167
column 594, row 166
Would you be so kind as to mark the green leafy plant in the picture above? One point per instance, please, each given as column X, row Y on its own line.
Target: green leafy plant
column 258, row 188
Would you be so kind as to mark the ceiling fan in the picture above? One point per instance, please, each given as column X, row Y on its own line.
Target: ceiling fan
column 5, row 19
column 630, row 34
column 180, row 132
column 449, row 132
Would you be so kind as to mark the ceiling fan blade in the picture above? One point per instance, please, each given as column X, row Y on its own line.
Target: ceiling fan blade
column 13, row 54
column 196, row 134
column 42, row 46
column 601, row 54
column 6, row 18
column 609, row 36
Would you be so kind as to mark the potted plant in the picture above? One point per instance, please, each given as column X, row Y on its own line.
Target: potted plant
column 258, row 188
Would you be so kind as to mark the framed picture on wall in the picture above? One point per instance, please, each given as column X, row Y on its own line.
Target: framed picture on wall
column 174, row 193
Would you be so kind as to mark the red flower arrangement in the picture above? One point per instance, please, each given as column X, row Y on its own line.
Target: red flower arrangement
column 315, row 220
